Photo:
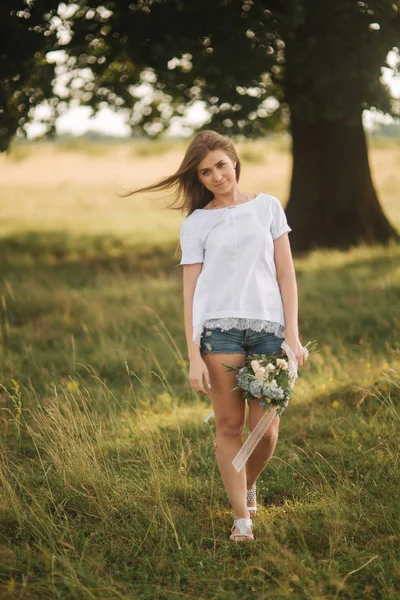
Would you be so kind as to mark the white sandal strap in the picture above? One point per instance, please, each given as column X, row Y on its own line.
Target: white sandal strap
column 251, row 494
column 242, row 525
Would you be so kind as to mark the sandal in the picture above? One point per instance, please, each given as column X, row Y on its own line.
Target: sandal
column 251, row 497
column 243, row 525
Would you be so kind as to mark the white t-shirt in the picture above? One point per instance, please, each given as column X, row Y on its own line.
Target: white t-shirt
column 236, row 245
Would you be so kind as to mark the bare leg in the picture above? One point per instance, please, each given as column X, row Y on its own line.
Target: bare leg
column 265, row 449
column 230, row 416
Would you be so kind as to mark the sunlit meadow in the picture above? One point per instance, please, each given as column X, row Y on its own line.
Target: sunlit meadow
column 108, row 482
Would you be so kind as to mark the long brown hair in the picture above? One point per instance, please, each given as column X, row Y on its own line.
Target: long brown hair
column 189, row 192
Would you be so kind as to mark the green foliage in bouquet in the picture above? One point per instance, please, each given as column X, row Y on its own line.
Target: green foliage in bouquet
column 268, row 378
column 265, row 377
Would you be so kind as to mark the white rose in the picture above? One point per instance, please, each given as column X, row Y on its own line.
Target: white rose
column 255, row 365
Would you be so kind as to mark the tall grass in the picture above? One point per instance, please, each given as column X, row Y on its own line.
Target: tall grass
column 108, row 480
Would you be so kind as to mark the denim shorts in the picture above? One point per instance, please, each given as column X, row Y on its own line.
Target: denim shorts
column 238, row 341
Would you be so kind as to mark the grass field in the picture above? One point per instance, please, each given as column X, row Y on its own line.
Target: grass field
column 108, row 481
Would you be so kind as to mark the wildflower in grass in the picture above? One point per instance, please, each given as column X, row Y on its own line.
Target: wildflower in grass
column 72, row 385
column 335, row 404
column 164, row 400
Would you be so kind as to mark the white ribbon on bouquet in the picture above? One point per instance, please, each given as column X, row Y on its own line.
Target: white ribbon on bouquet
column 255, row 436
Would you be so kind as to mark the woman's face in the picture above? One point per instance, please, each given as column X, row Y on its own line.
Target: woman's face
column 217, row 172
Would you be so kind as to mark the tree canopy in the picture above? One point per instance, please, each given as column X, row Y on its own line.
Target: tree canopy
column 257, row 65
column 322, row 57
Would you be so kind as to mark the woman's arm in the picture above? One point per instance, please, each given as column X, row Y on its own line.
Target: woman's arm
column 190, row 276
column 198, row 369
column 286, row 277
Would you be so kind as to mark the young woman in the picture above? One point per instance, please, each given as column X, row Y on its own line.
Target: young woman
column 240, row 298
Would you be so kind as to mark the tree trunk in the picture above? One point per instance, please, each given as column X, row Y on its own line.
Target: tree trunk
column 333, row 203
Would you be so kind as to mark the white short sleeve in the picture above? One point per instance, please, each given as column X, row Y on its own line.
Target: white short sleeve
column 191, row 246
column 279, row 224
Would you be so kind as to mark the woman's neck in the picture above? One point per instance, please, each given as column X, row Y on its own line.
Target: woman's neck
column 229, row 199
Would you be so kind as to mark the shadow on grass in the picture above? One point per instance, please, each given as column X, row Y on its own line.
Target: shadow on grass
column 56, row 250
column 354, row 304
column 353, row 396
column 349, row 309
column 80, row 259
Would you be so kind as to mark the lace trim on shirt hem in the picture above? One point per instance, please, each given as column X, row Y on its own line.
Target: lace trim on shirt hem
column 241, row 323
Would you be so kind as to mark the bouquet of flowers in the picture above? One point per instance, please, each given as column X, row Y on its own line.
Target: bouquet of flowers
column 270, row 379
column 266, row 377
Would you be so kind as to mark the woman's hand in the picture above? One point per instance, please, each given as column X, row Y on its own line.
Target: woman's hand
column 296, row 347
column 197, row 371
